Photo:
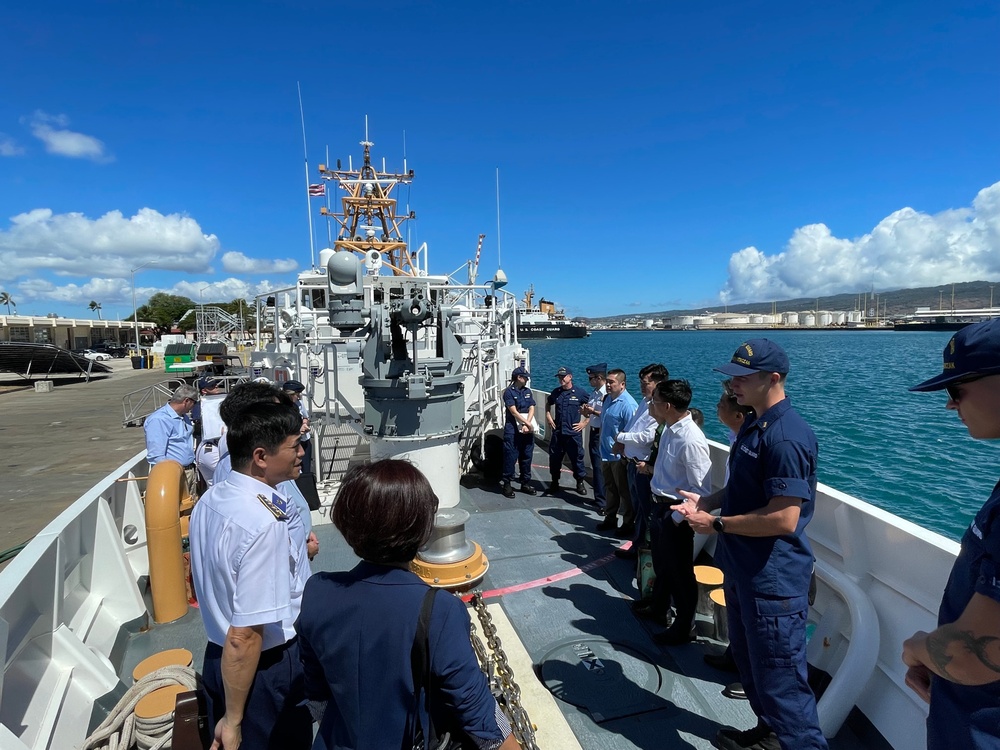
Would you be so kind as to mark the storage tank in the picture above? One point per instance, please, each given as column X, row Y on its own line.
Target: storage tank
column 839, row 318
column 854, row 316
column 824, row 318
column 771, row 320
column 790, row 318
column 808, row 319
column 703, row 322
column 682, row 321
column 647, row 323
column 756, row 320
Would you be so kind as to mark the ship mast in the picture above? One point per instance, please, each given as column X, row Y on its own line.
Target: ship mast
column 367, row 221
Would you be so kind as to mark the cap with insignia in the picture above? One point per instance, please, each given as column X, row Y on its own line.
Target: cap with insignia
column 756, row 355
column 599, row 369
column 520, row 372
column 563, row 371
column 292, row 386
column 974, row 350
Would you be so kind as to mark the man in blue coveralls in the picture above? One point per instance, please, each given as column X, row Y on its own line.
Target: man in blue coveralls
column 566, row 428
column 956, row 668
column 764, row 552
column 518, row 432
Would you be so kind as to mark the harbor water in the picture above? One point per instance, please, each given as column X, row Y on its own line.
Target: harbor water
column 900, row 451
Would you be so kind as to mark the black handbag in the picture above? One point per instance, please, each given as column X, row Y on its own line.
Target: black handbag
column 420, row 664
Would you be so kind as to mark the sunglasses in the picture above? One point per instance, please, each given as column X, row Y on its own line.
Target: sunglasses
column 953, row 392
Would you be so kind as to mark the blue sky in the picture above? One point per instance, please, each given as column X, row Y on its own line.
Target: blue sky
column 652, row 155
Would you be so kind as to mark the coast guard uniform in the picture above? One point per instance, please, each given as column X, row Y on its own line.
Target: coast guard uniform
column 249, row 565
column 594, row 444
column 968, row 716
column 565, row 441
column 518, row 446
column 767, row 578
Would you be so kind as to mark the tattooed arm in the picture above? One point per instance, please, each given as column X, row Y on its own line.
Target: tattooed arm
column 966, row 651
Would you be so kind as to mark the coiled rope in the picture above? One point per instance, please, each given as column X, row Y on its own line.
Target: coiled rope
column 122, row 730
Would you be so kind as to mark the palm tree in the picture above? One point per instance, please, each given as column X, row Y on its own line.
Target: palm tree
column 6, row 299
column 95, row 306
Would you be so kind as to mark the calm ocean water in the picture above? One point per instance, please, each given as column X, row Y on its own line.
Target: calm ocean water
column 898, row 450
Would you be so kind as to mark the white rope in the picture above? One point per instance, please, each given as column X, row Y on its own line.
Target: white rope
column 123, row 731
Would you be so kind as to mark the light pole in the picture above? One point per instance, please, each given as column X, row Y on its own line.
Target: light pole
column 135, row 310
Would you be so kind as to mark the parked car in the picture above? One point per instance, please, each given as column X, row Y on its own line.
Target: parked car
column 118, row 352
column 91, row 354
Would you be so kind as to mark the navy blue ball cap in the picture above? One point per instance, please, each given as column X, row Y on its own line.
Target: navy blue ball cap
column 520, row 372
column 974, row 350
column 563, row 371
column 208, row 384
column 292, row 386
column 756, row 355
column 599, row 369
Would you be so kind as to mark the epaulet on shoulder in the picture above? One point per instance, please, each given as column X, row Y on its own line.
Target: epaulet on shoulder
column 277, row 512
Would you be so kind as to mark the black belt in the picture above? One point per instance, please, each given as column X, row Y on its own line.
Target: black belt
column 595, row 429
column 664, row 499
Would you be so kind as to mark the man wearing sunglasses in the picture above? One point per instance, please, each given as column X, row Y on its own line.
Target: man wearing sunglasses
column 956, row 668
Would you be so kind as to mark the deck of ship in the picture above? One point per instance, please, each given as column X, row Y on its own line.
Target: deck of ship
column 638, row 695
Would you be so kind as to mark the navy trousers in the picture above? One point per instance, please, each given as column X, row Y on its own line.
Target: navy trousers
column 566, row 445
column 518, row 447
column 638, row 487
column 768, row 640
column 594, row 450
column 275, row 716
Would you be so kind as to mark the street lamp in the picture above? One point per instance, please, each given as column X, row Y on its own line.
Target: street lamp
column 135, row 310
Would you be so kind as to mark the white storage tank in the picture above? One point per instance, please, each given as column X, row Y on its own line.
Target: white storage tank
column 824, row 318
column 790, row 318
column 839, row 318
column 647, row 324
column 703, row 322
column 756, row 320
column 771, row 320
column 854, row 316
column 682, row 321
column 808, row 319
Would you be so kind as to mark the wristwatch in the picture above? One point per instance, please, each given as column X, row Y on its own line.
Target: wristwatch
column 719, row 525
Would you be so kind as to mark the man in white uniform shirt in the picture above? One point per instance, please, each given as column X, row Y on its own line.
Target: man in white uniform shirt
column 683, row 462
column 249, row 574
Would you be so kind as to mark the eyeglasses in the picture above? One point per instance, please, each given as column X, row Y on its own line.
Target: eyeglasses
column 953, row 392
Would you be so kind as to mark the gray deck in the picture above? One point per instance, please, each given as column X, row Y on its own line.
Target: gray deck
column 641, row 695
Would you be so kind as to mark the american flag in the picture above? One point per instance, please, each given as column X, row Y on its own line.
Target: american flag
column 317, row 190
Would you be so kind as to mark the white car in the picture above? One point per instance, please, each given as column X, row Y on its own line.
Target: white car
column 96, row 356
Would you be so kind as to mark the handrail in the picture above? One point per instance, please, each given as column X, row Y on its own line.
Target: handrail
column 852, row 675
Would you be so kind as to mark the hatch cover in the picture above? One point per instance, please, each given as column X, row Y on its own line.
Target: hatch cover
column 608, row 680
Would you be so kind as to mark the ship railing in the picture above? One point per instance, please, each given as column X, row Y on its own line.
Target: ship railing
column 68, row 603
column 901, row 569
column 139, row 404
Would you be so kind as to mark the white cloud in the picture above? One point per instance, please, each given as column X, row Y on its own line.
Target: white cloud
column 9, row 147
column 105, row 291
column 234, row 262
column 58, row 139
column 908, row 248
column 75, row 245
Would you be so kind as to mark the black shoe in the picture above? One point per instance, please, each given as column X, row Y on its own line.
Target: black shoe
column 610, row 523
column 723, row 662
column 759, row 738
column 528, row 489
column 648, row 611
column 553, row 486
column 627, row 554
column 581, row 487
column 735, row 691
column 627, row 531
column 674, row 636
column 508, row 491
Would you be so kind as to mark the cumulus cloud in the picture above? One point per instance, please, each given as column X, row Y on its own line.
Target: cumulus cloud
column 221, row 291
column 9, row 147
column 105, row 291
column 234, row 262
column 52, row 131
column 908, row 248
column 75, row 245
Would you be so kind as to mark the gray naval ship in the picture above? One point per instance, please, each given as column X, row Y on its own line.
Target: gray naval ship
column 399, row 362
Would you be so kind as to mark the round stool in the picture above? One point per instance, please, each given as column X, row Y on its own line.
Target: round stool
column 719, row 617
column 174, row 657
column 708, row 578
column 160, row 702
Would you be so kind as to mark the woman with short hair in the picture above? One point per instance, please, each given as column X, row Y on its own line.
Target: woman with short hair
column 357, row 628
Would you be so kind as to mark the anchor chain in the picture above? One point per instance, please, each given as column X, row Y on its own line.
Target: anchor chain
column 501, row 677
